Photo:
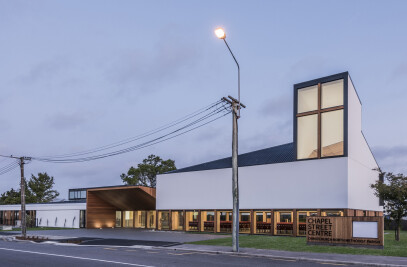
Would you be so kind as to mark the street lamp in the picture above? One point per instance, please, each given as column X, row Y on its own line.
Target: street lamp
column 221, row 34
column 236, row 105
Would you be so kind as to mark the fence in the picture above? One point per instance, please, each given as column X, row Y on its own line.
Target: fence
column 391, row 225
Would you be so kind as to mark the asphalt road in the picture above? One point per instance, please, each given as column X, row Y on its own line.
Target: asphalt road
column 30, row 254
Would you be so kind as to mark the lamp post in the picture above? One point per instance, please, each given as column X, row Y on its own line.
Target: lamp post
column 236, row 105
column 221, row 34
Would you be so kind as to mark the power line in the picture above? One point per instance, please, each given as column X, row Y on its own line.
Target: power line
column 147, row 143
column 144, row 145
column 9, row 167
column 140, row 136
column 199, row 119
column 6, row 166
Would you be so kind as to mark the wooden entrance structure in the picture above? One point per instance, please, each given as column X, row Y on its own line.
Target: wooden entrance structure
column 102, row 203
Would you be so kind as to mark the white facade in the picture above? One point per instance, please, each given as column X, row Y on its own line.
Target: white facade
column 330, row 183
column 283, row 186
column 361, row 163
column 53, row 214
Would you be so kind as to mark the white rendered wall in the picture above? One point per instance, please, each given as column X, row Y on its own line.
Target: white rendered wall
column 211, row 189
column 66, row 214
column 58, row 218
column 302, row 184
column 360, row 159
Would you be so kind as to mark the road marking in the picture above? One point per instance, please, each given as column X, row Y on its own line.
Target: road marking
column 282, row 260
column 184, row 253
column 152, row 252
column 111, row 248
column 74, row 257
column 332, row 263
column 90, row 240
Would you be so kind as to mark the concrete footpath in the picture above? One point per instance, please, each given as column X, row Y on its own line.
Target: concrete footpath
column 367, row 260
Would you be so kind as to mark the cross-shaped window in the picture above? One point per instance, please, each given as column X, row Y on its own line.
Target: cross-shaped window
column 320, row 120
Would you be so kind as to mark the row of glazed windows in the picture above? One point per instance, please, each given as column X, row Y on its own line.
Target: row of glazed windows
column 208, row 221
column 136, row 219
column 12, row 217
column 77, row 194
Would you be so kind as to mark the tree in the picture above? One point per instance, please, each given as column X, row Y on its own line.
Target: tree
column 37, row 190
column 394, row 195
column 14, row 196
column 10, row 197
column 146, row 173
column 41, row 188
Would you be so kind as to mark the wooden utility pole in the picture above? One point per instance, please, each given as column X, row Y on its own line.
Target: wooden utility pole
column 22, row 191
column 236, row 106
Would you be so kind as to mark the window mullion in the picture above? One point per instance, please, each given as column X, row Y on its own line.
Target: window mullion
column 307, row 113
column 319, row 121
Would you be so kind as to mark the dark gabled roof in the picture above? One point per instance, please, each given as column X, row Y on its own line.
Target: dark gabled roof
column 275, row 154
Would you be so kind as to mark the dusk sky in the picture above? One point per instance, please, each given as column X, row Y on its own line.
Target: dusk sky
column 75, row 75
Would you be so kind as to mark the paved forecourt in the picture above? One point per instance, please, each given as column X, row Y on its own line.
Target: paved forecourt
column 131, row 234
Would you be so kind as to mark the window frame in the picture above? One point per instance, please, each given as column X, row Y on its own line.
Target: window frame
column 344, row 76
column 76, row 194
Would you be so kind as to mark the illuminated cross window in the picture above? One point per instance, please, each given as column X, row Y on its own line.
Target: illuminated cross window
column 320, row 120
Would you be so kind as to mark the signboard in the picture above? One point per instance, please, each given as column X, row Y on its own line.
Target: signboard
column 364, row 231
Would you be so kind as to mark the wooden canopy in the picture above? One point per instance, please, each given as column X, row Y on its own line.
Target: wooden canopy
column 102, row 203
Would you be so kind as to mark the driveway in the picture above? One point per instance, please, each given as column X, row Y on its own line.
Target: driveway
column 131, row 234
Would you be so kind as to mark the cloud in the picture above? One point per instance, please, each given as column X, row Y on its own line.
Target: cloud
column 277, row 106
column 67, row 121
column 44, row 71
column 392, row 159
column 399, row 72
column 142, row 71
column 4, row 125
column 277, row 133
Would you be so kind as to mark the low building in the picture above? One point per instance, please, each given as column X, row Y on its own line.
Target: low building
column 326, row 171
column 65, row 214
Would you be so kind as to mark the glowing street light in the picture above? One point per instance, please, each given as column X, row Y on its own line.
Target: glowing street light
column 220, row 33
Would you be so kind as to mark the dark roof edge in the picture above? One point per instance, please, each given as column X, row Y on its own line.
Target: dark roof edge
column 208, row 162
column 57, row 202
column 371, row 152
column 110, row 186
column 354, row 87
column 321, row 79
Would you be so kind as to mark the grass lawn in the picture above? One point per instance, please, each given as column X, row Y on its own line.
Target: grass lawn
column 391, row 247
